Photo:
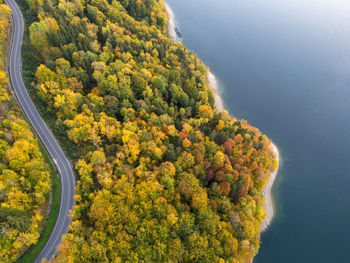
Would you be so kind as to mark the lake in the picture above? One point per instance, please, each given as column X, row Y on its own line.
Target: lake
column 285, row 67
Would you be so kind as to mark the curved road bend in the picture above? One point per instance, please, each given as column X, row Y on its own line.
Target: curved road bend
column 45, row 135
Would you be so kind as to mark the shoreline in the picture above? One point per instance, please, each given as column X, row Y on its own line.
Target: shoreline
column 266, row 192
column 213, row 83
column 171, row 26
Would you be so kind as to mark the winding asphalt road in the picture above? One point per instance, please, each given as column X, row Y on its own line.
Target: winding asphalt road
column 45, row 135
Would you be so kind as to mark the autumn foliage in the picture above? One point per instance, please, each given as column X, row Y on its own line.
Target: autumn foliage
column 24, row 176
column 162, row 175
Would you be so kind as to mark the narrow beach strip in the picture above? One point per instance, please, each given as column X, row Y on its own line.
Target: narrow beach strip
column 171, row 26
column 213, row 83
column 266, row 192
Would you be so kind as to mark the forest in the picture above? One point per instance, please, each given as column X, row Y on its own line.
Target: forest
column 24, row 175
column 162, row 175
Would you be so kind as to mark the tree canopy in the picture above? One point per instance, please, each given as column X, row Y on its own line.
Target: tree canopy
column 162, row 175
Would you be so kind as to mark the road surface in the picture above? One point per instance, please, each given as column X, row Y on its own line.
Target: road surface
column 45, row 135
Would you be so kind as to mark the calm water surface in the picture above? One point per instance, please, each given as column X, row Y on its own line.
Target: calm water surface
column 284, row 65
